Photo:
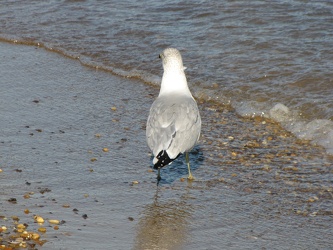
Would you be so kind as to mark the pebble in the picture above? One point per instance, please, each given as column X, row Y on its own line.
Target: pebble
column 26, row 196
column 267, row 168
column 21, row 226
column 313, row 199
column 42, row 229
column 313, row 214
column 15, row 218
column 12, row 200
column 54, row 222
column 39, row 219
column 35, row 236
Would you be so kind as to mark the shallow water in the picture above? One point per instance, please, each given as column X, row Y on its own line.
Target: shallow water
column 251, row 54
column 257, row 186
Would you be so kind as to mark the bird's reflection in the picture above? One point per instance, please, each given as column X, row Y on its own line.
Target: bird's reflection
column 163, row 224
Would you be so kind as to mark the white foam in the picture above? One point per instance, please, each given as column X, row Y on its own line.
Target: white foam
column 280, row 113
column 318, row 131
column 250, row 109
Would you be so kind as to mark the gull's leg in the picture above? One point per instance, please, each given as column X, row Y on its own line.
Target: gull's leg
column 190, row 176
column 158, row 175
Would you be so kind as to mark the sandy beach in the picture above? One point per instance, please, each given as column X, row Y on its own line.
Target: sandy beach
column 73, row 149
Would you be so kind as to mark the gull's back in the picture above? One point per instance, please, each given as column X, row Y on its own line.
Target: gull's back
column 173, row 125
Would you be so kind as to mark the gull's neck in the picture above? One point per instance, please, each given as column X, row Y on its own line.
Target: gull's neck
column 174, row 82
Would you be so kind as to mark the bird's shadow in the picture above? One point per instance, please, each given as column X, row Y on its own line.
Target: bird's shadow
column 178, row 168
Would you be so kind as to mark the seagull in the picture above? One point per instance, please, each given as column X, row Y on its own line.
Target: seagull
column 174, row 122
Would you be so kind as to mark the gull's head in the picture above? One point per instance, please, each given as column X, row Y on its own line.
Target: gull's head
column 174, row 79
column 171, row 60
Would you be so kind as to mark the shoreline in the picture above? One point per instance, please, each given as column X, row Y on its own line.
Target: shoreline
column 290, row 120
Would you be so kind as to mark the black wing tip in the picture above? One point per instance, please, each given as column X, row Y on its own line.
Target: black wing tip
column 163, row 159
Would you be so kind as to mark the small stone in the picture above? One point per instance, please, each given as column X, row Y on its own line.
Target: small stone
column 215, row 85
column 15, row 218
column 54, row 222
column 105, row 150
column 35, row 236
column 313, row 199
column 266, row 168
column 313, row 214
column 26, row 196
column 42, row 229
column 24, row 235
column 23, row 244
column 39, row 219
column 21, row 226
column 12, row 200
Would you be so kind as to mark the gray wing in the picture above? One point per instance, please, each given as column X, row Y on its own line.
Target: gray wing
column 173, row 125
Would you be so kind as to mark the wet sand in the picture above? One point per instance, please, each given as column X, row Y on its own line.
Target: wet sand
column 256, row 187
